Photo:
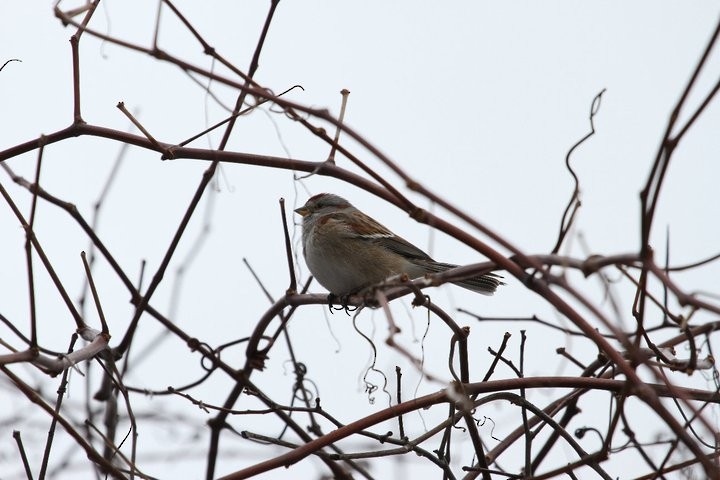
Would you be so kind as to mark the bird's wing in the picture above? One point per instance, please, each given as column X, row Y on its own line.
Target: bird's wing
column 365, row 228
column 402, row 247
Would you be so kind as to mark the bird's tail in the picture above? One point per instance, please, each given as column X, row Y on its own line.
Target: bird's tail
column 485, row 284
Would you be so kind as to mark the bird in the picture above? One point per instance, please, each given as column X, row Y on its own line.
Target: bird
column 348, row 251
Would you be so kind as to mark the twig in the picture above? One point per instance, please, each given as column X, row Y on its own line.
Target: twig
column 96, row 298
column 53, row 423
column 398, row 381
column 292, row 288
column 498, row 355
column 574, row 204
column 21, row 448
column 345, row 94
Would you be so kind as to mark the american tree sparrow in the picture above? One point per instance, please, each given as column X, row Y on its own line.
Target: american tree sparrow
column 347, row 251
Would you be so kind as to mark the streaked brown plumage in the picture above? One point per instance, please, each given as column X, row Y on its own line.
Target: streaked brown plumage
column 347, row 250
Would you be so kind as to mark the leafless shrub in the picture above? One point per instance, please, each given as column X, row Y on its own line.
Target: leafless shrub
column 596, row 413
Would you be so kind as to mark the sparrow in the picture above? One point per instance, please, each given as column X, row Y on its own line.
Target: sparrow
column 347, row 251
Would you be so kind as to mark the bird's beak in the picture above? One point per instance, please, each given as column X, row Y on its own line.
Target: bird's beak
column 302, row 211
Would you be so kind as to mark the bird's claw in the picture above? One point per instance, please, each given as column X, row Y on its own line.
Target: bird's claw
column 420, row 300
column 343, row 303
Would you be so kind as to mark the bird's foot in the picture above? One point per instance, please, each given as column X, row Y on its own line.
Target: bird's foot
column 420, row 300
column 343, row 303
